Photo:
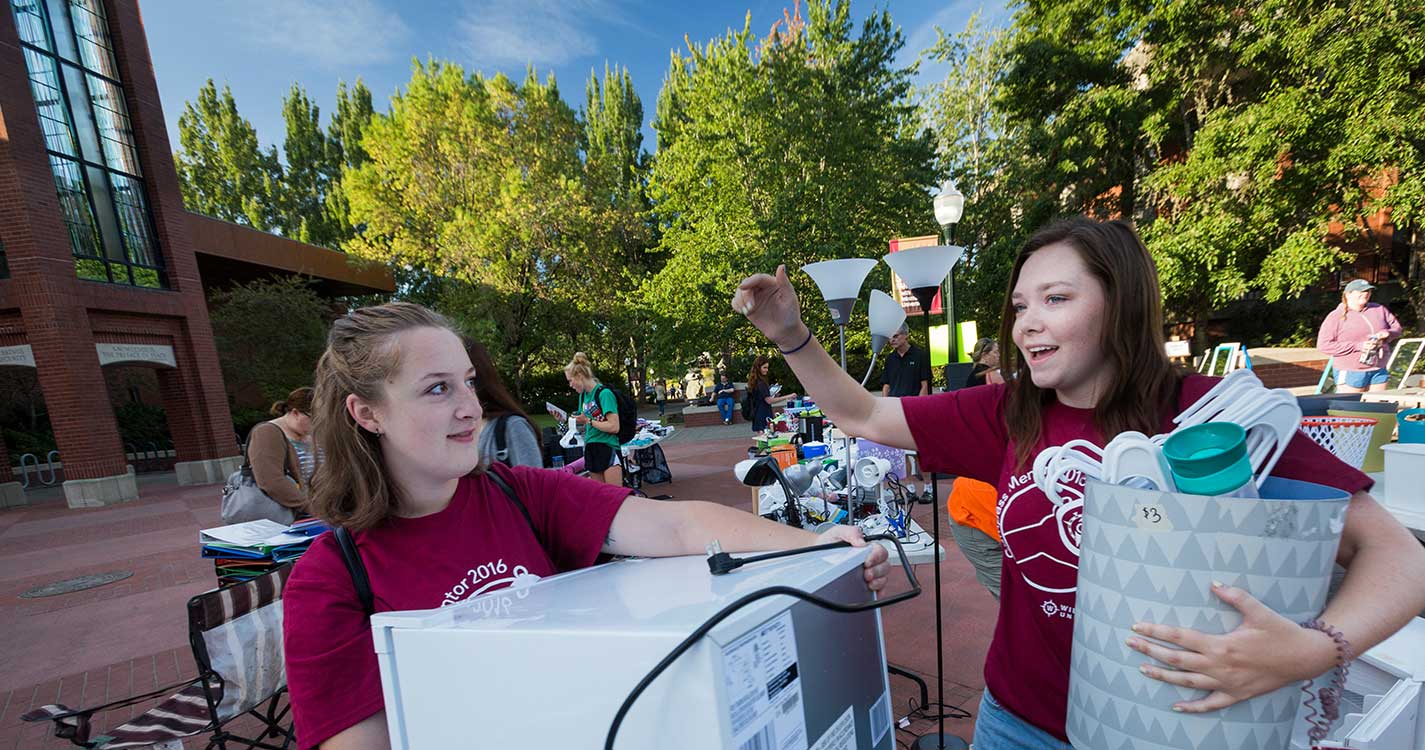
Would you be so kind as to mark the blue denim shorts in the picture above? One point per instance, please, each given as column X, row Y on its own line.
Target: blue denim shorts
column 998, row 729
column 1362, row 378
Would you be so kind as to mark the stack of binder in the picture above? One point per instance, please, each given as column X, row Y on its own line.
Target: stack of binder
column 246, row 550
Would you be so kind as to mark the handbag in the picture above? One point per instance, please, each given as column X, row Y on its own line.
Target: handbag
column 244, row 501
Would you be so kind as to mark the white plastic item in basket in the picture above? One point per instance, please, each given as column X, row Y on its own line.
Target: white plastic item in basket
column 1346, row 437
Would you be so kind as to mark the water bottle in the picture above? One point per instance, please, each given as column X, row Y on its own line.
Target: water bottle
column 557, row 461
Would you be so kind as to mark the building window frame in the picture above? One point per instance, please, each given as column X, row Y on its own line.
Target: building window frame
column 112, row 231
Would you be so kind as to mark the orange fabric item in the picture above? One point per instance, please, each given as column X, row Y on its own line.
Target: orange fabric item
column 786, row 455
column 973, row 503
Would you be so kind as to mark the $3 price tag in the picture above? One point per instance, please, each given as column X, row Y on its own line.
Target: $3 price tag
column 1151, row 516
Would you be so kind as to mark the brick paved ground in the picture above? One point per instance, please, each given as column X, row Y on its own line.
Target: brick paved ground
column 97, row 645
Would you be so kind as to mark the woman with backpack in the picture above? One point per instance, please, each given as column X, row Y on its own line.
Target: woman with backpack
column 598, row 415
column 506, row 433
column 432, row 524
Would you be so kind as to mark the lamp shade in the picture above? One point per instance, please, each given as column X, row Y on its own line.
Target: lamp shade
column 840, row 283
column 949, row 204
column 924, row 266
column 840, row 279
column 886, row 314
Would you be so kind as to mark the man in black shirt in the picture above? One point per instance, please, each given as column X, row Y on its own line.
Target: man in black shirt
column 907, row 373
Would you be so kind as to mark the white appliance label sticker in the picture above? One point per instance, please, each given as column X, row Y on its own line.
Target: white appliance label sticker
column 841, row 735
column 880, row 717
column 764, row 688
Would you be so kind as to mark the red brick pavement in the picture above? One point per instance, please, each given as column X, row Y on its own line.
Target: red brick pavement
column 102, row 644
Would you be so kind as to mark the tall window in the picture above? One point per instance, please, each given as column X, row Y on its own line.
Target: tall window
column 90, row 140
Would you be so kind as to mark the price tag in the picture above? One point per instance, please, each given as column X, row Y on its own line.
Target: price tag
column 1152, row 517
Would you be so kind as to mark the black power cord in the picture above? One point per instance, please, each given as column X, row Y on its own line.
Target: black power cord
column 723, row 562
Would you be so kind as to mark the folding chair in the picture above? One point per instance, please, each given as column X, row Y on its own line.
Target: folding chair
column 236, row 636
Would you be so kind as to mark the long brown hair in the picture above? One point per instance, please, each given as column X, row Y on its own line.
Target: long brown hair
column 1145, row 382
column 351, row 486
column 495, row 399
column 754, row 378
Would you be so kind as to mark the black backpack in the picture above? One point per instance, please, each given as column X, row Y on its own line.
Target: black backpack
column 747, row 405
column 357, row 569
column 627, row 413
column 502, row 447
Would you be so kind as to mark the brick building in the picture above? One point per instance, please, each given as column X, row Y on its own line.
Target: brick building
column 99, row 262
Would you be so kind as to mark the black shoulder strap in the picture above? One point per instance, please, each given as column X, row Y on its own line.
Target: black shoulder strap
column 357, row 569
column 502, row 451
column 514, row 498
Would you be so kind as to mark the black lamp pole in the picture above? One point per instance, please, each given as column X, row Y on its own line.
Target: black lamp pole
column 948, row 231
column 925, row 295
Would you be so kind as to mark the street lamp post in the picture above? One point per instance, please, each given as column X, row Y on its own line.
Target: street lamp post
column 949, row 207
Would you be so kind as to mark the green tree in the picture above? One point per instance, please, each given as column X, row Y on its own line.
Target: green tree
column 978, row 148
column 1235, row 136
column 621, row 232
column 307, row 182
column 259, row 364
column 1302, row 116
column 479, row 180
column 344, row 151
column 804, row 147
column 222, row 171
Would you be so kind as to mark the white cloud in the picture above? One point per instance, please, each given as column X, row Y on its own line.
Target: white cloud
column 331, row 33
column 499, row 33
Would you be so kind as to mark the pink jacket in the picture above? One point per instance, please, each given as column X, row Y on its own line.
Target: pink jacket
column 1343, row 338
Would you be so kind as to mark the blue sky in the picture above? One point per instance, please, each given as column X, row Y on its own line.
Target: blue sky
column 260, row 47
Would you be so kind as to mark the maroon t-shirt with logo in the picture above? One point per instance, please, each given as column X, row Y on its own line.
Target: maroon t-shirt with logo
column 480, row 542
column 963, row 433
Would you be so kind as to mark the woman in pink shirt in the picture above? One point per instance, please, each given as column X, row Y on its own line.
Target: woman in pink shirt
column 398, row 417
column 1083, row 311
column 1358, row 336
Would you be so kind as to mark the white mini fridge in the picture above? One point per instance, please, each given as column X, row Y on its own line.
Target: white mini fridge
column 548, row 665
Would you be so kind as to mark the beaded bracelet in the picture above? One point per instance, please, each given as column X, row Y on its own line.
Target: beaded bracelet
column 1329, row 696
column 799, row 346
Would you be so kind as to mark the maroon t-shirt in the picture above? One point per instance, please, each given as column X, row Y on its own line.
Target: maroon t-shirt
column 964, row 433
column 478, row 543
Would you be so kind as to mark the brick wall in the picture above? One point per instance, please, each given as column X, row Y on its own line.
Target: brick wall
column 1290, row 375
column 62, row 317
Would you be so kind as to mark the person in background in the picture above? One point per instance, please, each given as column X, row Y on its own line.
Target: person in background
column 660, row 397
column 760, row 390
column 985, row 355
column 503, row 415
column 598, row 415
column 283, row 459
column 725, row 392
column 907, row 373
column 397, row 412
column 1358, row 336
column 972, row 522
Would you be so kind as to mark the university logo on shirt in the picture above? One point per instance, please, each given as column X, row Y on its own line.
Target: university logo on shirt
column 1043, row 539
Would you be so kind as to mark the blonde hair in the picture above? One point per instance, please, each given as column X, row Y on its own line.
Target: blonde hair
column 982, row 347
column 579, row 367
column 351, row 486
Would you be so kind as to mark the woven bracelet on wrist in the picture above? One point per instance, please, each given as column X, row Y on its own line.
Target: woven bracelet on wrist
column 800, row 346
column 1329, row 696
